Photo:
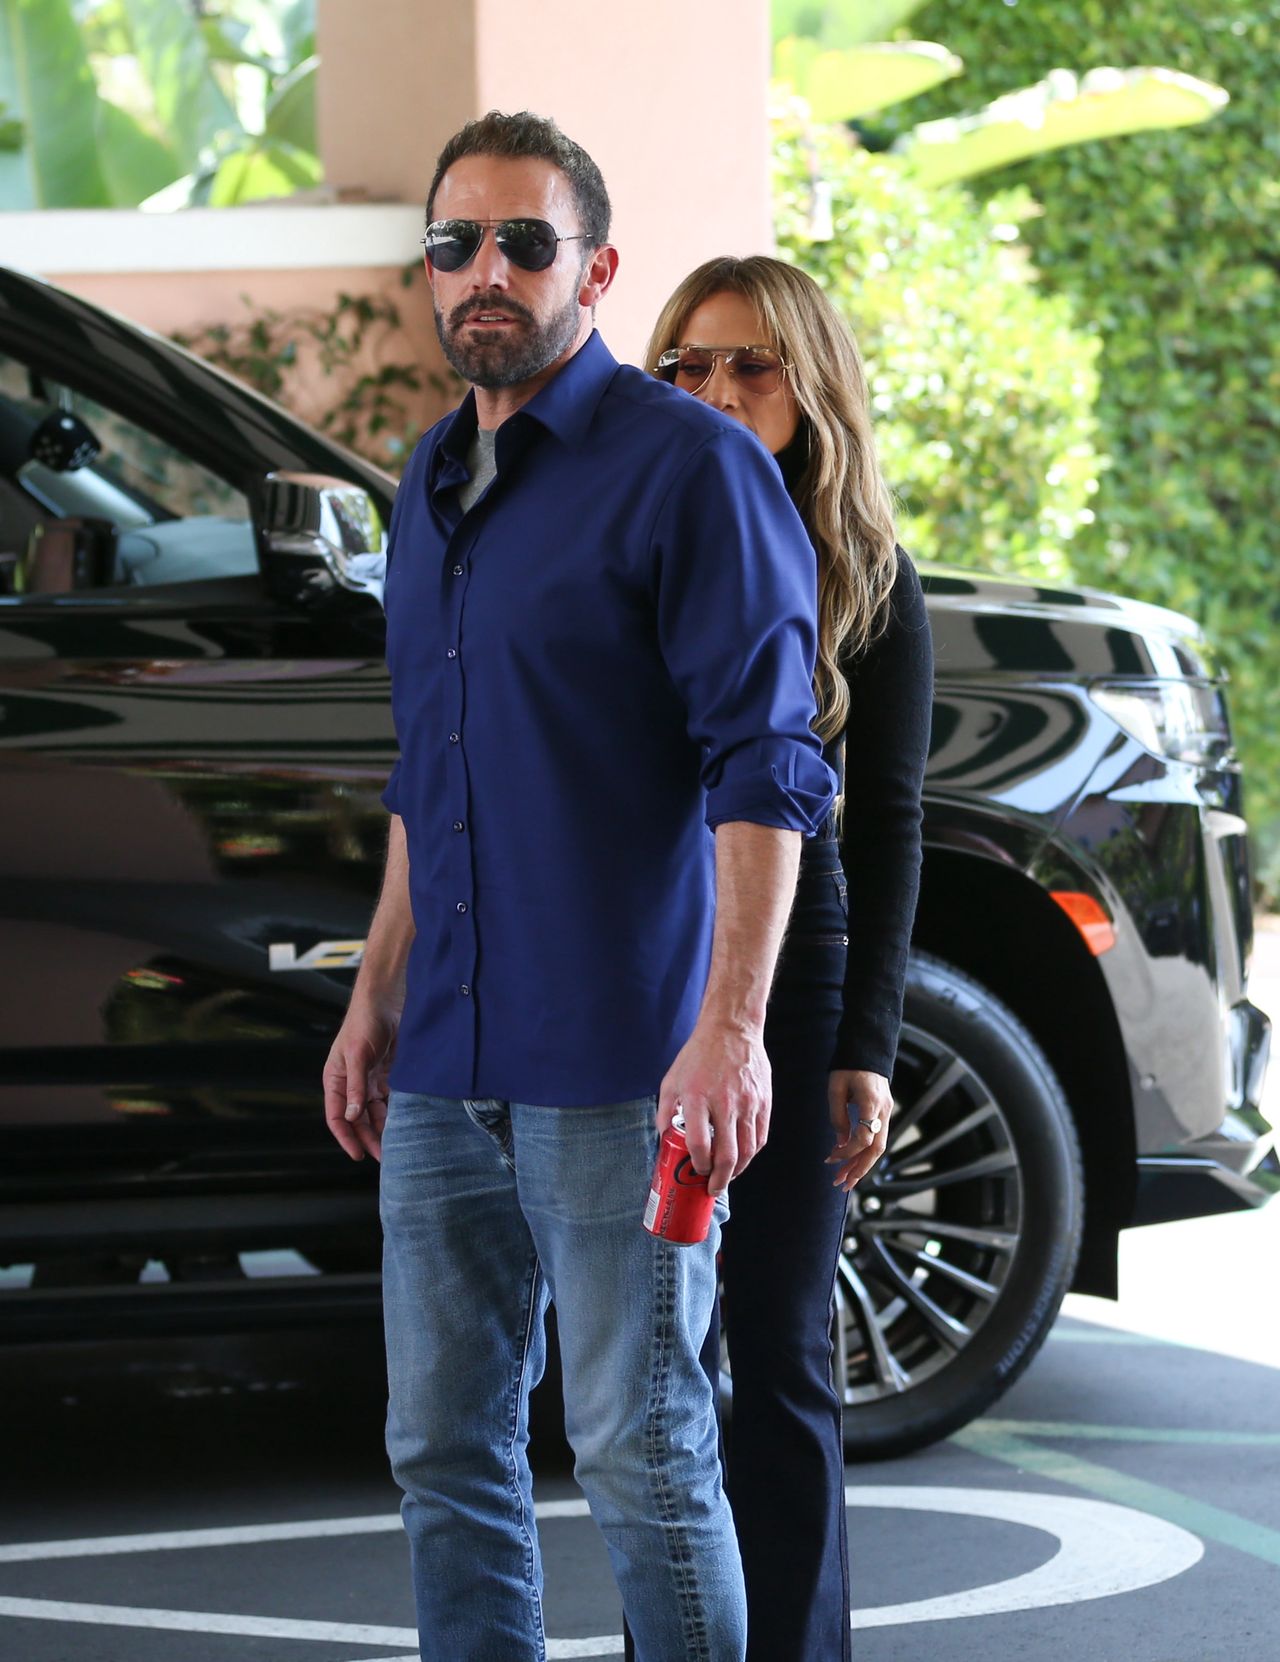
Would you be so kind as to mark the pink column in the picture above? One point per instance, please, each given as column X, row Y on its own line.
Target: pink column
column 669, row 97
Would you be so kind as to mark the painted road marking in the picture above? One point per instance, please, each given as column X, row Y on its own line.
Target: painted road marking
column 1149, row 1499
column 1103, row 1549
column 1134, row 1434
column 1104, row 1336
column 241, row 1535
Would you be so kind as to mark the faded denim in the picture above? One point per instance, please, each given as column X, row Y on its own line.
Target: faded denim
column 488, row 1208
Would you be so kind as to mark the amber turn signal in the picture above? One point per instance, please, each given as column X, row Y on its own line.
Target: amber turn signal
column 1089, row 918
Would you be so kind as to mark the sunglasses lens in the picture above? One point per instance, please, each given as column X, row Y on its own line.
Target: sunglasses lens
column 450, row 243
column 692, row 370
column 758, row 371
column 529, row 243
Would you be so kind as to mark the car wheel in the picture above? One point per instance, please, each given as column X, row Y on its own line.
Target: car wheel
column 962, row 1240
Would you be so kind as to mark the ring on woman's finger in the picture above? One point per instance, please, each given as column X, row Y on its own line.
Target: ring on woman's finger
column 872, row 1125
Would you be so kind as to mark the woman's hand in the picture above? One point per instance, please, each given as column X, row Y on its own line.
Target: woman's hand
column 855, row 1095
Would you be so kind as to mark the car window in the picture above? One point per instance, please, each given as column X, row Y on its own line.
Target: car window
column 91, row 499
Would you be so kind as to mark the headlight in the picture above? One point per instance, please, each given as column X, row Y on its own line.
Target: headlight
column 1185, row 721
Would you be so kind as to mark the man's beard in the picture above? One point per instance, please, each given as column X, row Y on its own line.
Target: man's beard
column 505, row 363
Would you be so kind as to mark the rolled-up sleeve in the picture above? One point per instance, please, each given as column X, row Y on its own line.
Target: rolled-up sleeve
column 391, row 791
column 736, row 581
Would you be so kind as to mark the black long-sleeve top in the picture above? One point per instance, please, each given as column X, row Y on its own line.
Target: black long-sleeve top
column 880, row 758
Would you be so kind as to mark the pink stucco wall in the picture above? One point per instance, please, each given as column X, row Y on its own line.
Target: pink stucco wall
column 174, row 301
column 669, row 97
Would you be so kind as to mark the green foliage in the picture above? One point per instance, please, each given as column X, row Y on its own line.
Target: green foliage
column 857, row 80
column 840, row 22
column 1167, row 243
column 190, row 105
column 831, row 53
column 371, row 394
column 1062, row 109
column 135, row 163
column 108, row 103
column 982, row 387
column 45, row 80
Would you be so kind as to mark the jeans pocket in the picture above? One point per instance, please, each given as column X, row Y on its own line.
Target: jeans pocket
column 494, row 1119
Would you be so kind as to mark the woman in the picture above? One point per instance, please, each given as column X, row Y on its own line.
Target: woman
column 759, row 340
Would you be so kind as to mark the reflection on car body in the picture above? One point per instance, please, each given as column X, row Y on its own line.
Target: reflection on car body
column 194, row 731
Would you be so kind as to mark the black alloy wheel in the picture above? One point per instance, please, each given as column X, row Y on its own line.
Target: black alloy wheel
column 962, row 1241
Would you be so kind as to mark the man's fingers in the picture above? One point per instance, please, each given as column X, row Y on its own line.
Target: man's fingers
column 357, row 1086
column 345, row 1077
column 697, row 1135
column 725, row 1163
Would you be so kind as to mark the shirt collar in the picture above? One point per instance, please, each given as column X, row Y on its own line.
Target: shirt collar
column 566, row 406
column 457, row 437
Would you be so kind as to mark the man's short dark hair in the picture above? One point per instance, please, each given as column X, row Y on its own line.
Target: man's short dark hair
column 534, row 137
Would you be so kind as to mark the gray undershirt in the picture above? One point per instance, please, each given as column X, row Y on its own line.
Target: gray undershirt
column 484, row 467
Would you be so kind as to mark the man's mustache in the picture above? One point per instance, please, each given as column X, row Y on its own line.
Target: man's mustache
column 495, row 303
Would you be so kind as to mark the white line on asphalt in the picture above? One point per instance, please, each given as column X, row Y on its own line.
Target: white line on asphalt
column 264, row 1627
column 206, row 1621
column 106, row 1546
column 243, row 1535
column 1103, row 1549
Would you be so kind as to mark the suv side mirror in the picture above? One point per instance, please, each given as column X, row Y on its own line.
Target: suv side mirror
column 319, row 536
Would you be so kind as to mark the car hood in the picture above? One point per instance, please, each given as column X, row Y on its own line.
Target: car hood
column 984, row 623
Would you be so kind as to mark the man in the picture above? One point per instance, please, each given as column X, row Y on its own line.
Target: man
column 601, row 635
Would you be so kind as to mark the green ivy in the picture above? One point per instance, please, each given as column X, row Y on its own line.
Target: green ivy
column 371, row 395
column 1167, row 244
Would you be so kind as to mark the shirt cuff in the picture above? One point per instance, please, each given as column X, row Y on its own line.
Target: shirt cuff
column 792, row 797
column 391, row 792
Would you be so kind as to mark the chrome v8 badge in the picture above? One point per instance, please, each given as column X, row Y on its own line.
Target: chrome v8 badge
column 283, row 955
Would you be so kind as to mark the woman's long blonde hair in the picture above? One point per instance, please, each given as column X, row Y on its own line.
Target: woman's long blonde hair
column 842, row 496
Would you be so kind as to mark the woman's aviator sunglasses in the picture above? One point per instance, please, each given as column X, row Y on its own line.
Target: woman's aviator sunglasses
column 756, row 369
column 529, row 243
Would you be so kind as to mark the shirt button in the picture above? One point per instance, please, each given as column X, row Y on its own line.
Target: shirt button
column 462, row 905
column 458, row 825
column 457, row 571
column 465, row 990
column 452, row 653
column 453, row 738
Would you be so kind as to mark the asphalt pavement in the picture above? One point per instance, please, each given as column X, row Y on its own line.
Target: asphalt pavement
column 226, row 1500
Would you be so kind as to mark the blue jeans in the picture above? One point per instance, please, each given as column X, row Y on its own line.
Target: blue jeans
column 487, row 1208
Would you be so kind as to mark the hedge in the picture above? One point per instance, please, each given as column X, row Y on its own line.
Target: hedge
column 1167, row 244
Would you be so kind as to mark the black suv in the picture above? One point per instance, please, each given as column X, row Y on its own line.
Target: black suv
column 194, row 728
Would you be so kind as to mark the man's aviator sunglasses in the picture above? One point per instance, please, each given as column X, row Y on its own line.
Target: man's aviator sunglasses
column 756, row 369
column 531, row 244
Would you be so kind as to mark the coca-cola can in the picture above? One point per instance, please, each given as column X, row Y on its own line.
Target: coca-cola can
column 679, row 1207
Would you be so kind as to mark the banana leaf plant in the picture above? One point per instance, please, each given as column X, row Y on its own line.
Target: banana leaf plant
column 115, row 103
column 832, row 54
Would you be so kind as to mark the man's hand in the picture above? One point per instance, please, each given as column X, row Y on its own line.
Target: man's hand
column 722, row 1082
column 855, row 1096
column 355, row 1079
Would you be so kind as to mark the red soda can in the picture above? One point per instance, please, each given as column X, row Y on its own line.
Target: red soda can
column 679, row 1208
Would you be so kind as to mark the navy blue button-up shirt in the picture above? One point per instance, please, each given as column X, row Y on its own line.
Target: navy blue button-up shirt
column 610, row 654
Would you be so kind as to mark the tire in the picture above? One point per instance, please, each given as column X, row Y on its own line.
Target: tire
column 972, row 1064
column 936, row 1318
